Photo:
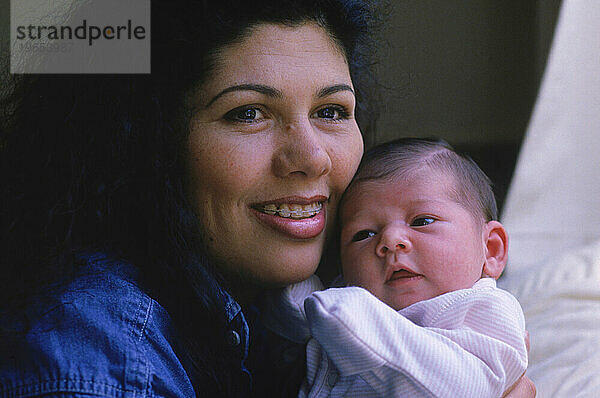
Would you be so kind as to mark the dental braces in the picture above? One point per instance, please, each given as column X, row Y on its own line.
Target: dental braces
column 291, row 213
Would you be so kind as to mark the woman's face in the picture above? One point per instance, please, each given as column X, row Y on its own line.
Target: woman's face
column 273, row 144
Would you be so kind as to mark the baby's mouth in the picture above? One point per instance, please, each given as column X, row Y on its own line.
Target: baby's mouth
column 402, row 274
column 291, row 210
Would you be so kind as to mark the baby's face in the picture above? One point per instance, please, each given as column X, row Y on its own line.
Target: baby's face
column 407, row 240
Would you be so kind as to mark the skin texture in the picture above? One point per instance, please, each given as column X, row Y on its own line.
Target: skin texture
column 406, row 240
column 274, row 123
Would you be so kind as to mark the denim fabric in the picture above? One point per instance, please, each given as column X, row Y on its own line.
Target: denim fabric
column 101, row 337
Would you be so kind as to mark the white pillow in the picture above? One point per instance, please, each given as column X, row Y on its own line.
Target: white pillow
column 552, row 213
column 561, row 303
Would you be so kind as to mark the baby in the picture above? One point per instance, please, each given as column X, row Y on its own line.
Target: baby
column 421, row 249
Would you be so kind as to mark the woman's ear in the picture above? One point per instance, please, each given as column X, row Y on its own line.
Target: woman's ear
column 496, row 249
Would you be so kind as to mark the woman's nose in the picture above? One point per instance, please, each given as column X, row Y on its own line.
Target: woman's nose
column 301, row 152
column 393, row 240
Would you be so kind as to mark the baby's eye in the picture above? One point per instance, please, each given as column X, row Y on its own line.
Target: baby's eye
column 422, row 221
column 362, row 235
column 244, row 114
column 331, row 112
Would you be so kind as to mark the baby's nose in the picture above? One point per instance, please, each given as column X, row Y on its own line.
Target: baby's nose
column 392, row 241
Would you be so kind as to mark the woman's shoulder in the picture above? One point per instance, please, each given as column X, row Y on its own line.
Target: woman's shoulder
column 101, row 335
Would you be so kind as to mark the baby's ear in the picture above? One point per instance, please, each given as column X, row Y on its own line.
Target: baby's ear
column 496, row 249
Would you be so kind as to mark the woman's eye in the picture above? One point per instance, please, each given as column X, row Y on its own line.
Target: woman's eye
column 422, row 221
column 244, row 114
column 362, row 235
column 332, row 112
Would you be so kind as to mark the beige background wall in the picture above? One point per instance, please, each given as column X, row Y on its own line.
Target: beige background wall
column 467, row 71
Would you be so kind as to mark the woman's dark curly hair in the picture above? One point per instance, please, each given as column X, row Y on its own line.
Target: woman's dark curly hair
column 95, row 163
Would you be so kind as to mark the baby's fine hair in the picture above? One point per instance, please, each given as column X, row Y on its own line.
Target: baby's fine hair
column 405, row 156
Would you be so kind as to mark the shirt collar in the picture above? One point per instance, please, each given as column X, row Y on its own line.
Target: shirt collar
column 232, row 308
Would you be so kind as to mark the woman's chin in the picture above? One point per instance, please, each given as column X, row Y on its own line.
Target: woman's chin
column 287, row 275
column 279, row 266
column 288, row 262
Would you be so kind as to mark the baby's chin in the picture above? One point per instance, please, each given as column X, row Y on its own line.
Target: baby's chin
column 402, row 305
column 403, row 301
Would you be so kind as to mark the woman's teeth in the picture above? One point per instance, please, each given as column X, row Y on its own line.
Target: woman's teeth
column 292, row 210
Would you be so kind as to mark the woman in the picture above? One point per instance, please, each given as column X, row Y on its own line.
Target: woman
column 143, row 215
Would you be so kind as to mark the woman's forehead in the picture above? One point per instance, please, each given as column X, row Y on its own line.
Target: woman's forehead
column 281, row 57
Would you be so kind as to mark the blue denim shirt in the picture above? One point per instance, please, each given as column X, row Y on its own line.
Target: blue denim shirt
column 102, row 337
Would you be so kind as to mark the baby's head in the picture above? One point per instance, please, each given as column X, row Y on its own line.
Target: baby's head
column 417, row 221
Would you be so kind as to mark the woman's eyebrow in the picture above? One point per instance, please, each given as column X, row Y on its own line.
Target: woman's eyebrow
column 324, row 92
column 273, row 92
column 260, row 88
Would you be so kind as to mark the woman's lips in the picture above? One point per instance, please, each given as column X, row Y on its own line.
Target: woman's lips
column 298, row 218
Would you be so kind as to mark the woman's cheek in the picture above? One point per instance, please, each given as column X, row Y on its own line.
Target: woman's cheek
column 355, row 152
column 347, row 157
